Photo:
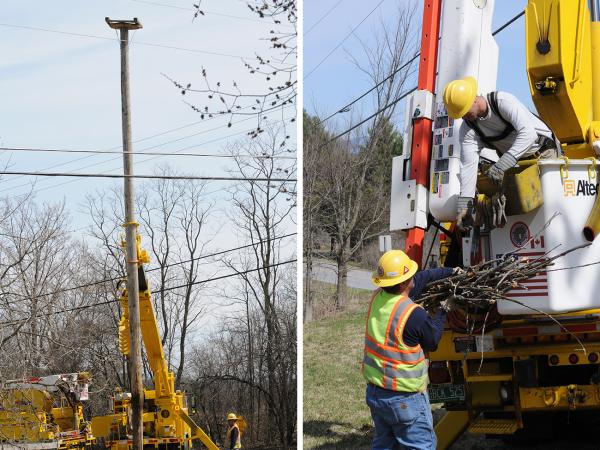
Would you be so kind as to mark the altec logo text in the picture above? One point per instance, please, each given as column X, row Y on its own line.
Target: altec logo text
column 572, row 188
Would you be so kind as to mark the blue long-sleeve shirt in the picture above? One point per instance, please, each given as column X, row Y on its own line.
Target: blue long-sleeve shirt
column 421, row 328
column 233, row 438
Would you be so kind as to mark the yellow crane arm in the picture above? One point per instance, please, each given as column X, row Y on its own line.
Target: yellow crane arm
column 163, row 378
column 563, row 66
column 197, row 432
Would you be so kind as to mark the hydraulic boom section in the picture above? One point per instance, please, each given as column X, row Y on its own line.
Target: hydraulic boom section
column 166, row 420
column 563, row 66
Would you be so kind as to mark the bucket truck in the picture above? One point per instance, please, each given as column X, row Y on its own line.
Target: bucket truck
column 167, row 424
column 43, row 413
column 523, row 368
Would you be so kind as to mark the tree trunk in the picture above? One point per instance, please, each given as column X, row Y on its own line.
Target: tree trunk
column 341, row 290
column 308, row 294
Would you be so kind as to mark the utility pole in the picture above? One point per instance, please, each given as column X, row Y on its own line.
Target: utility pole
column 135, row 353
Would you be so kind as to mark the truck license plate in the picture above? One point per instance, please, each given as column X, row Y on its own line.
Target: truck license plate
column 448, row 392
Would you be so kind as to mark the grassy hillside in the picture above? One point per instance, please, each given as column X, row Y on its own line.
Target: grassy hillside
column 335, row 413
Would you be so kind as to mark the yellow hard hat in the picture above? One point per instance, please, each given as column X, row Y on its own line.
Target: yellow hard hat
column 459, row 96
column 394, row 267
column 231, row 416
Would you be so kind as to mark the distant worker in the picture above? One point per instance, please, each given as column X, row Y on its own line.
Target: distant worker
column 397, row 335
column 234, row 436
column 497, row 121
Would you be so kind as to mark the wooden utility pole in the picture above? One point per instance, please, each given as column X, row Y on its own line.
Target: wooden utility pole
column 135, row 353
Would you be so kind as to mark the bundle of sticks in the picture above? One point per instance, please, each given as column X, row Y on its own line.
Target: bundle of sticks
column 482, row 285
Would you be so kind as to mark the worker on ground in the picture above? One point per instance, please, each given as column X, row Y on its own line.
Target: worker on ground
column 234, row 436
column 398, row 333
column 497, row 121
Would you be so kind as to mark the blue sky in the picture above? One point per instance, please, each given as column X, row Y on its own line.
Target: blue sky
column 63, row 91
column 337, row 80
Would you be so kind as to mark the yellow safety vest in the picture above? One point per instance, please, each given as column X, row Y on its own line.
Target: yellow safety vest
column 238, row 441
column 388, row 362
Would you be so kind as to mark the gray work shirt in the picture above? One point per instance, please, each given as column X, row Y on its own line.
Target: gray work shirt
column 521, row 142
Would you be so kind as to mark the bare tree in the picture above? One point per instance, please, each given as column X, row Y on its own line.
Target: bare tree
column 358, row 167
column 262, row 212
column 276, row 66
column 172, row 214
column 220, row 377
column 39, row 237
column 315, row 190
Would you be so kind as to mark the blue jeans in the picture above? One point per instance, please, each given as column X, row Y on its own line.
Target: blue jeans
column 402, row 420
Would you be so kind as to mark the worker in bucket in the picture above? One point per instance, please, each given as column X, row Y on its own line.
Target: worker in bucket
column 497, row 121
column 398, row 333
column 234, row 436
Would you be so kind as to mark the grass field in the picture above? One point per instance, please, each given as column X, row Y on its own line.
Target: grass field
column 335, row 413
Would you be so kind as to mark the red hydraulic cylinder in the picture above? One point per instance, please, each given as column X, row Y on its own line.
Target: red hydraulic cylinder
column 421, row 138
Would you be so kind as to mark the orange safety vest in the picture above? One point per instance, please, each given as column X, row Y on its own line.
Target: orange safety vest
column 388, row 362
column 238, row 441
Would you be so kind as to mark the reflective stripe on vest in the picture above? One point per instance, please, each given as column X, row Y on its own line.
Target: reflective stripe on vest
column 238, row 441
column 388, row 362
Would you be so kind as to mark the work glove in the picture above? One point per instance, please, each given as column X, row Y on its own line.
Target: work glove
column 464, row 216
column 449, row 304
column 458, row 271
column 499, row 207
column 496, row 172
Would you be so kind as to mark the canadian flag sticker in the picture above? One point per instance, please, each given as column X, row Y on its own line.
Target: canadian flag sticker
column 405, row 270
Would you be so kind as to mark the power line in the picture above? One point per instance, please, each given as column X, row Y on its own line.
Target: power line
column 322, row 17
column 343, row 40
column 342, row 109
column 145, row 148
column 214, row 13
column 108, row 280
column 149, row 177
column 389, row 105
column 510, row 22
column 208, row 280
column 209, row 155
column 147, row 44
column 237, row 273
column 345, row 108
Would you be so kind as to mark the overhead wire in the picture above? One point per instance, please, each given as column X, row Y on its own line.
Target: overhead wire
column 343, row 108
column 140, row 162
column 214, row 13
column 343, row 40
column 383, row 108
column 108, row 152
column 510, row 22
column 178, row 263
column 322, row 17
column 142, row 152
column 107, row 302
column 404, row 95
column 148, row 177
column 157, row 145
column 147, row 44
column 133, row 142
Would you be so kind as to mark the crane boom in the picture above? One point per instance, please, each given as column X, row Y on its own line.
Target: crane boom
column 166, row 419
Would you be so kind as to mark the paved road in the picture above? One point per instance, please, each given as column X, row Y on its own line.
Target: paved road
column 327, row 273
